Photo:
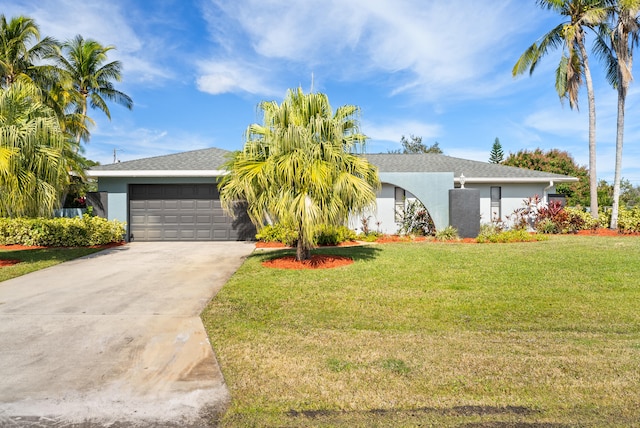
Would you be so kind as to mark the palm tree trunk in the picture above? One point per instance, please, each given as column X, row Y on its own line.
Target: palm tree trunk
column 84, row 119
column 622, row 92
column 593, row 178
column 302, row 252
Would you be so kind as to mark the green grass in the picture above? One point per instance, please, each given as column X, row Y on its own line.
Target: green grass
column 36, row 259
column 427, row 334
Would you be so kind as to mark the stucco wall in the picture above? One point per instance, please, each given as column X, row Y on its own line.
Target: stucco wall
column 513, row 196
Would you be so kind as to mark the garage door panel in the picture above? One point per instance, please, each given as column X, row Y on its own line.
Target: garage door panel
column 179, row 212
column 171, row 205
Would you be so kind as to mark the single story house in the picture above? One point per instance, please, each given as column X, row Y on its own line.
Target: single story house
column 175, row 197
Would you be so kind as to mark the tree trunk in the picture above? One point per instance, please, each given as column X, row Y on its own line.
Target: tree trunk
column 593, row 178
column 622, row 92
column 84, row 120
column 302, row 252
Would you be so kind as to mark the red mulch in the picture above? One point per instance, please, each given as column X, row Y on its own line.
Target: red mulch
column 8, row 262
column 317, row 261
column 605, row 232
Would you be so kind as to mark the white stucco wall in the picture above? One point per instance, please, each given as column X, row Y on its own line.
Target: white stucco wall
column 382, row 218
column 513, row 196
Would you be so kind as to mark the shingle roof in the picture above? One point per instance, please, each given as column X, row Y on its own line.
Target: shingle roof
column 392, row 162
column 204, row 159
column 212, row 159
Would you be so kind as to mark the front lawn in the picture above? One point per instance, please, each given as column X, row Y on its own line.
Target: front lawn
column 35, row 259
column 428, row 334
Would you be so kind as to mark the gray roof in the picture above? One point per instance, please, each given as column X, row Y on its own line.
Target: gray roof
column 195, row 160
column 212, row 159
column 392, row 162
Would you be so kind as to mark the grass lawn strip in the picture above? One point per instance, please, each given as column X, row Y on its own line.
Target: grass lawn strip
column 545, row 333
column 40, row 258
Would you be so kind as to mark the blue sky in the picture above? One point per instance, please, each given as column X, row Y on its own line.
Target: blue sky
column 439, row 69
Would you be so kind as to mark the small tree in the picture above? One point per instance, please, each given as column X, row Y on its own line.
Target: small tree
column 301, row 168
column 415, row 145
column 496, row 155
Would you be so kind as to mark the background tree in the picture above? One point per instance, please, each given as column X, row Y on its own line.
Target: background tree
column 34, row 166
column 558, row 162
column 496, row 155
column 629, row 194
column 88, row 78
column 415, row 145
column 578, row 15
column 300, row 167
column 615, row 46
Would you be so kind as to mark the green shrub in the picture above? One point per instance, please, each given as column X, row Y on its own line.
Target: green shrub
column 60, row 232
column 369, row 237
column 449, row 233
column 334, row 235
column 546, row 225
column 578, row 219
column 629, row 220
column 277, row 233
column 509, row 236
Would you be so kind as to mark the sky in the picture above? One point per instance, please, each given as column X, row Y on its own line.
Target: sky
column 440, row 69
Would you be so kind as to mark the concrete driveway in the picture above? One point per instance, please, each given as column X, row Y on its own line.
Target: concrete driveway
column 115, row 339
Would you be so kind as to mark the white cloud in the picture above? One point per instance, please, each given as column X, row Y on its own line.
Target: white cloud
column 434, row 49
column 217, row 77
column 136, row 143
column 110, row 23
column 393, row 131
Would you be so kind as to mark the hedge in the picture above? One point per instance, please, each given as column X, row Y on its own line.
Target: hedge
column 60, row 232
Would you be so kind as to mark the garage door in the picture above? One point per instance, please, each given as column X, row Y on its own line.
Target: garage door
column 183, row 212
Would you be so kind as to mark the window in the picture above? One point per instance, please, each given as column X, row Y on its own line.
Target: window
column 496, row 197
column 400, row 197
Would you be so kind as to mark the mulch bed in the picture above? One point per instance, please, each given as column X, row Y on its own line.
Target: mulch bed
column 317, row 261
column 605, row 232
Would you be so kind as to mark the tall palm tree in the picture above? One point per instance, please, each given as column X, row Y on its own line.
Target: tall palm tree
column 615, row 46
column 300, row 167
column 574, row 64
column 21, row 49
column 88, row 78
column 34, row 167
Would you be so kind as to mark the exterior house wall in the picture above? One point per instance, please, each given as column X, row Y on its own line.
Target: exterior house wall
column 432, row 189
column 513, row 195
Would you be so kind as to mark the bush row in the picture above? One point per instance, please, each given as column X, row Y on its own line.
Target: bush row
column 60, row 232
column 570, row 220
column 325, row 235
column 496, row 235
column 628, row 219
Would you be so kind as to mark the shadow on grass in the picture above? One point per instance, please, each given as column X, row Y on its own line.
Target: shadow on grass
column 357, row 253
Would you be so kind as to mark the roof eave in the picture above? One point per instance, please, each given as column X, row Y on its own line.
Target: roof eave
column 157, row 173
column 484, row 180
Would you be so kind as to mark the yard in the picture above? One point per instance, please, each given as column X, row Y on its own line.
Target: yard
column 17, row 262
column 434, row 334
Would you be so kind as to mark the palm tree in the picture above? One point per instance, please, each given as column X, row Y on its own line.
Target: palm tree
column 574, row 64
column 20, row 50
column 616, row 46
column 34, row 166
column 88, row 79
column 300, row 167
